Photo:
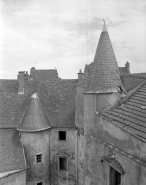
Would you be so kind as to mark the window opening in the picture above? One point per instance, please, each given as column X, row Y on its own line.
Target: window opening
column 40, row 183
column 62, row 163
column 38, row 158
column 115, row 177
column 62, row 135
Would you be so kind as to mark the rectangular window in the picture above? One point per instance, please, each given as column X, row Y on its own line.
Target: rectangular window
column 39, row 183
column 115, row 177
column 62, row 163
column 62, row 135
column 38, row 158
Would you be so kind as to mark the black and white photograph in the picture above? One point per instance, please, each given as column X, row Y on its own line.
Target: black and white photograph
column 72, row 92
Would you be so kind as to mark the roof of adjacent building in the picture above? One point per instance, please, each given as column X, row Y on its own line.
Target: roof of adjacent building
column 34, row 118
column 57, row 98
column 11, row 151
column 105, row 76
column 132, row 80
column 44, row 75
column 124, row 70
column 130, row 114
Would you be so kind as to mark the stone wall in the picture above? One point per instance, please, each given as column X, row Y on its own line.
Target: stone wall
column 18, row 178
column 36, row 143
column 79, row 120
column 66, row 149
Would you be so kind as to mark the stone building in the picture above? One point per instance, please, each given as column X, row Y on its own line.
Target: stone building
column 86, row 131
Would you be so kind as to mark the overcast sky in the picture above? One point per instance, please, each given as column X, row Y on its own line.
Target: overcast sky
column 64, row 34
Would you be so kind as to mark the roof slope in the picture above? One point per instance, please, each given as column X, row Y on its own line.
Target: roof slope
column 34, row 118
column 11, row 151
column 57, row 98
column 132, row 80
column 44, row 75
column 124, row 70
column 131, row 115
column 105, row 74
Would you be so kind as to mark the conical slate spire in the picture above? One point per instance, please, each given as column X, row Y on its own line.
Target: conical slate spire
column 34, row 118
column 105, row 76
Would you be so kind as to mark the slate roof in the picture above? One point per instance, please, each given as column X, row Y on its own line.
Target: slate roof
column 44, row 75
column 57, row 98
column 124, row 70
column 34, row 118
column 131, row 114
column 11, row 151
column 105, row 74
column 132, row 80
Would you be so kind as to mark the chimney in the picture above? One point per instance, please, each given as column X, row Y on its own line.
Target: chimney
column 26, row 76
column 80, row 75
column 21, row 82
column 32, row 73
column 127, row 65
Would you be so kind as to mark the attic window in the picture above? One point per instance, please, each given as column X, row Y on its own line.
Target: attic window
column 62, row 135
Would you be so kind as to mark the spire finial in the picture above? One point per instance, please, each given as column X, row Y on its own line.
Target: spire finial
column 104, row 29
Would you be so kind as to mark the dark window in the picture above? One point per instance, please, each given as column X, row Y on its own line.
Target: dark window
column 62, row 135
column 62, row 163
column 115, row 177
column 38, row 158
column 40, row 183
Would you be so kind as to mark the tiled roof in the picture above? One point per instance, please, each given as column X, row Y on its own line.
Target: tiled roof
column 132, row 80
column 44, row 75
column 131, row 115
column 124, row 70
column 105, row 75
column 88, row 70
column 11, row 151
column 34, row 118
column 84, row 82
column 57, row 98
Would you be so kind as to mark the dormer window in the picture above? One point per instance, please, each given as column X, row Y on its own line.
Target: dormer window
column 62, row 135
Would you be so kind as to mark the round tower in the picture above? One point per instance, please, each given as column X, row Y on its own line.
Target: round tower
column 104, row 89
column 34, row 135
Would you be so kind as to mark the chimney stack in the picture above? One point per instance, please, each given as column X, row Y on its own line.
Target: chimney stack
column 127, row 65
column 21, row 82
column 80, row 75
column 32, row 73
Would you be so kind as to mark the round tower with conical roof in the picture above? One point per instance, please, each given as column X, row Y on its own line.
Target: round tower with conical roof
column 34, row 135
column 104, row 90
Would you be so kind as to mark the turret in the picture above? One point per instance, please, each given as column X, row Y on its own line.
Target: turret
column 104, row 89
column 34, row 135
column 105, row 81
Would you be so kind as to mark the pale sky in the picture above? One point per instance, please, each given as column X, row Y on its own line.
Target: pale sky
column 64, row 34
